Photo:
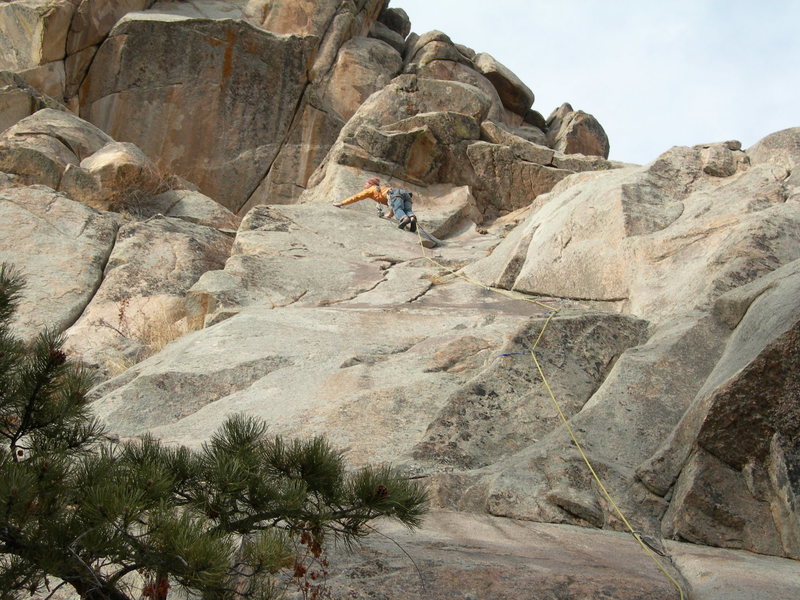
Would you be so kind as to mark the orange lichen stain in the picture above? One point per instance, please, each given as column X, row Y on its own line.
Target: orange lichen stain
column 252, row 47
column 227, row 62
column 85, row 88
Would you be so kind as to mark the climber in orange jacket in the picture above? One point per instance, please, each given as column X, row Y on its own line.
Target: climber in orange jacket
column 398, row 201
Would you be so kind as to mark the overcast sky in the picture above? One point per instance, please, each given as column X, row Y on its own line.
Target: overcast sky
column 655, row 73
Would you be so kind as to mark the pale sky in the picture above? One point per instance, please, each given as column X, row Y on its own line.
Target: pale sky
column 654, row 73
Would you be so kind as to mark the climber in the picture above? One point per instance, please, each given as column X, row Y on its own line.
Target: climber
column 398, row 201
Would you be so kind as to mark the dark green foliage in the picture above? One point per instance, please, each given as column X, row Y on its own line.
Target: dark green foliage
column 128, row 520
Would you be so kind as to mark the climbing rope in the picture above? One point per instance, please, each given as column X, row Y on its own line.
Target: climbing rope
column 562, row 417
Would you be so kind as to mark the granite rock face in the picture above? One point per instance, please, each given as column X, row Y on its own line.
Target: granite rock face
column 727, row 308
column 61, row 248
column 140, row 303
column 19, row 100
column 138, row 85
column 170, row 77
column 185, row 188
column 108, row 249
column 502, row 558
column 576, row 132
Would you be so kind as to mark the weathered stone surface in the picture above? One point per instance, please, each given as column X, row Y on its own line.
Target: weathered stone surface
column 576, row 132
column 310, row 255
column 317, row 120
column 413, row 156
column 762, row 311
column 81, row 137
column 449, row 70
column 207, row 9
column 35, row 159
column 190, row 206
column 19, row 100
column 397, row 20
column 124, row 176
column 781, row 148
column 530, row 133
column 61, row 247
column 467, row 51
column 696, row 514
column 93, row 19
column 734, row 575
column 662, row 239
column 417, row 42
column 49, row 79
column 363, row 66
column 435, row 50
column 349, row 20
column 312, row 283
column 381, row 32
column 516, row 96
column 438, row 144
column 140, row 304
column 477, row 556
column 742, row 426
column 336, row 322
column 75, row 68
column 351, row 392
column 720, row 160
column 34, row 32
column 336, row 269
column 579, row 163
column 535, row 119
column 140, row 90
column 505, row 409
column 446, row 210
column 638, row 401
column 523, row 149
column 309, row 141
column 515, row 183
column 307, row 17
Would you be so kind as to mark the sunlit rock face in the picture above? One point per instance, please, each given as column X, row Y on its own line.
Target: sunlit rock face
column 170, row 168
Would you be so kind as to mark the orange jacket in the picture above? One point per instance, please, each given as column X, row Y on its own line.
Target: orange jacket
column 378, row 193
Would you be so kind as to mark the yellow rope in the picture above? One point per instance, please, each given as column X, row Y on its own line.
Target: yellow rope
column 562, row 417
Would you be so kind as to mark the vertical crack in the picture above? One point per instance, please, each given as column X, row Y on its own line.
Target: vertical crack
column 99, row 282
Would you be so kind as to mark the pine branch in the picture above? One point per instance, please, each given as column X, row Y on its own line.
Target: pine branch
column 92, row 512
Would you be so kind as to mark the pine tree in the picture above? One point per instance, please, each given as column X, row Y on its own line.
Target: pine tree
column 133, row 519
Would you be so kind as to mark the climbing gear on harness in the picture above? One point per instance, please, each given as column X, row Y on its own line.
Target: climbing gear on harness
column 404, row 195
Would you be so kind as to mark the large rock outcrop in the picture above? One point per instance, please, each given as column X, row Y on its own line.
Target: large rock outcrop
column 121, row 275
column 487, row 434
column 662, row 239
column 660, row 301
column 716, row 279
column 235, row 67
column 576, row 132
column 60, row 246
column 423, row 131
column 489, row 557
column 19, row 100
column 140, row 305
column 116, row 64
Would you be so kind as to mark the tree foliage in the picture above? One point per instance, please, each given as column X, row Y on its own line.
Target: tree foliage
column 121, row 520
